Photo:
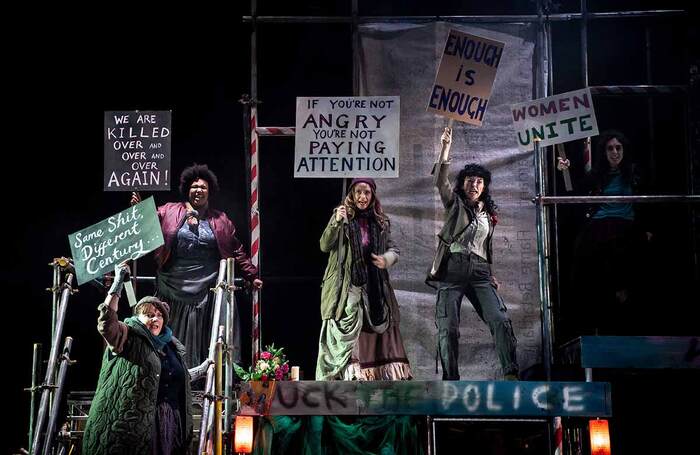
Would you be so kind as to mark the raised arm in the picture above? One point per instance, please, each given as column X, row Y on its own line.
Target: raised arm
column 442, row 181
column 108, row 324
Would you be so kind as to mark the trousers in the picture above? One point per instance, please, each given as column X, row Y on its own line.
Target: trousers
column 469, row 275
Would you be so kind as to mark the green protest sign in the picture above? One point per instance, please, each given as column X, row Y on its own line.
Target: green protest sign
column 130, row 234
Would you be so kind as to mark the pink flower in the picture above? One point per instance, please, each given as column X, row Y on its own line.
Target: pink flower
column 263, row 378
column 279, row 374
column 266, row 355
column 285, row 368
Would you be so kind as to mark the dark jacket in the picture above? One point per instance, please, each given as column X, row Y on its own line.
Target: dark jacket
column 172, row 217
column 122, row 414
column 457, row 217
column 334, row 293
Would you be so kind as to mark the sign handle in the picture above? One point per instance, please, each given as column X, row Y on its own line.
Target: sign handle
column 567, row 175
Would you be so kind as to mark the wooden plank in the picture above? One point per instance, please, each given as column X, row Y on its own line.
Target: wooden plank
column 640, row 352
column 437, row 398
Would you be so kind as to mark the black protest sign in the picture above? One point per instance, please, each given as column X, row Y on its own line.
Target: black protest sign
column 137, row 150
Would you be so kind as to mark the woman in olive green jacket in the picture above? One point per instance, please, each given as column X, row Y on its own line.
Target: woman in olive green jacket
column 142, row 404
column 360, row 336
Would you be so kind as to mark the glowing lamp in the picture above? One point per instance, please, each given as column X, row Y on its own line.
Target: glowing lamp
column 600, row 437
column 243, row 430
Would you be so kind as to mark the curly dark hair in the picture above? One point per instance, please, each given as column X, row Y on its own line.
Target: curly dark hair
column 601, row 166
column 196, row 172
column 473, row 169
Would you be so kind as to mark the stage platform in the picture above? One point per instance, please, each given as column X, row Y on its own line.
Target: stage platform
column 630, row 352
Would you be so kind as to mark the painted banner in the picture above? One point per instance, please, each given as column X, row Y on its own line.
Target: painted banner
column 465, row 77
column 347, row 137
column 397, row 58
column 128, row 235
column 137, row 150
column 555, row 119
column 436, row 398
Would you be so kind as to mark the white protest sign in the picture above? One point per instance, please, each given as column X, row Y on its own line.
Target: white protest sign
column 555, row 119
column 347, row 137
column 465, row 77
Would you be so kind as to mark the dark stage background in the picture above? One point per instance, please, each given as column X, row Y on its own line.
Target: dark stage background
column 64, row 72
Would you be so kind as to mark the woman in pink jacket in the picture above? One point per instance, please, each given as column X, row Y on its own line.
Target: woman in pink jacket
column 196, row 238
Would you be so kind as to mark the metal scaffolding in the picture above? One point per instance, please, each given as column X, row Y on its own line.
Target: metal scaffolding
column 546, row 218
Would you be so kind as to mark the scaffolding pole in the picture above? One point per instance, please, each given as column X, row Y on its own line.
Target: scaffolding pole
column 485, row 19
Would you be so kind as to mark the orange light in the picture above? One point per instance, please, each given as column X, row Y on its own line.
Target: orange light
column 243, row 430
column 600, row 437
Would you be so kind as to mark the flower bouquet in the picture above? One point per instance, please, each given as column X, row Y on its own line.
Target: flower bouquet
column 257, row 393
column 272, row 365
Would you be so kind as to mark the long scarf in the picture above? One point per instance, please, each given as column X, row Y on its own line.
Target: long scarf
column 363, row 271
column 166, row 334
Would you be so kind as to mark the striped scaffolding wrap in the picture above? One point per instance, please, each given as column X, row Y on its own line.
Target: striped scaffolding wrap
column 558, row 437
column 255, row 132
column 275, row 131
column 254, row 226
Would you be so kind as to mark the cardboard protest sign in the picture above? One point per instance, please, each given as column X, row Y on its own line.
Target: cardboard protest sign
column 465, row 77
column 137, row 150
column 347, row 137
column 555, row 119
column 130, row 234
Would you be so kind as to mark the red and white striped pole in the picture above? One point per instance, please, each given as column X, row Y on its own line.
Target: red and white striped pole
column 255, row 132
column 275, row 130
column 254, row 226
column 558, row 437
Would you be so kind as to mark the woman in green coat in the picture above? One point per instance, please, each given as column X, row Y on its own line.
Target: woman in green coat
column 142, row 404
column 360, row 337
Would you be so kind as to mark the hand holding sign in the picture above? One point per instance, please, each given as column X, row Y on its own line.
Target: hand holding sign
column 562, row 164
column 341, row 213
column 446, row 137
column 121, row 273
column 135, row 198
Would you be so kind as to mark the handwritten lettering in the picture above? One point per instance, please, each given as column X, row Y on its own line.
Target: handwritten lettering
column 127, row 138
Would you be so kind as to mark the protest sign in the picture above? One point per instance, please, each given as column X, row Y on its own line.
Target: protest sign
column 465, row 77
column 555, row 119
column 130, row 234
column 347, row 137
column 137, row 150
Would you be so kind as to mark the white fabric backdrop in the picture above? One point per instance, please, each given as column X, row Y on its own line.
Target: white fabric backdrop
column 402, row 59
